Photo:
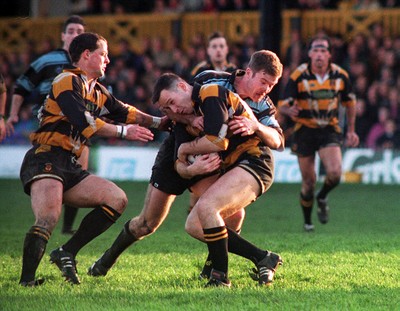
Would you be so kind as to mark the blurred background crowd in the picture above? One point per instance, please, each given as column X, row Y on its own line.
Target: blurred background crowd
column 372, row 61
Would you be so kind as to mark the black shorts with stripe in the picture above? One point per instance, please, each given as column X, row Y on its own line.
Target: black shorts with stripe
column 44, row 161
column 307, row 141
column 164, row 176
column 260, row 166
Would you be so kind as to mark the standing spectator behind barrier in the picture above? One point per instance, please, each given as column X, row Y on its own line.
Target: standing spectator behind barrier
column 390, row 139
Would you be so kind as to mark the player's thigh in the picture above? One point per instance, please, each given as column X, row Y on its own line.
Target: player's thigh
column 46, row 199
column 232, row 191
column 94, row 191
column 307, row 167
column 331, row 158
column 203, row 184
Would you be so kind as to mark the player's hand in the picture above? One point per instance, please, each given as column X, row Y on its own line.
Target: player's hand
column 198, row 122
column 166, row 124
column 10, row 124
column 294, row 110
column 204, row 164
column 139, row 133
column 243, row 126
column 352, row 139
column 183, row 152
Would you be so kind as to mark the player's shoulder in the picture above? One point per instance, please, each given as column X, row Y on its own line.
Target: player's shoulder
column 51, row 58
column 204, row 65
column 299, row 71
column 339, row 70
column 211, row 90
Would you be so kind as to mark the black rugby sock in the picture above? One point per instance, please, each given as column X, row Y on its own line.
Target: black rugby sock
column 239, row 246
column 94, row 224
column 121, row 243
column 34, row 246
column 306, row 203
column 217, row 243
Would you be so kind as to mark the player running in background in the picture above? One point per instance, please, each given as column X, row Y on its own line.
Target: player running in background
column 311, row 99
column 39, row 77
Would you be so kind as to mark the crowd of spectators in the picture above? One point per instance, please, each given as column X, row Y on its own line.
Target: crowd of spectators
column 373, row 63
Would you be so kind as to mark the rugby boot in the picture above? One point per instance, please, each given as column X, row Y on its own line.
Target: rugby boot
column 33, row 283
column 266, row 269
column 218, row 279
column 65, row 261
column 323, row 210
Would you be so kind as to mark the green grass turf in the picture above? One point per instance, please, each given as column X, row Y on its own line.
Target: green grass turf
column 351, row 263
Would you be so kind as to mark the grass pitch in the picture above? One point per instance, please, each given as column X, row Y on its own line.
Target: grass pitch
column 350, row 263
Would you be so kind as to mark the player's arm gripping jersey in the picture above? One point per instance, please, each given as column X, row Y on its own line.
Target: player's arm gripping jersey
column 70, row 115
column 218, row 105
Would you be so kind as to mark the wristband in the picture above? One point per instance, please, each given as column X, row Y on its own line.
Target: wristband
column 156, row 122
column 119, row 131
column 124, row 132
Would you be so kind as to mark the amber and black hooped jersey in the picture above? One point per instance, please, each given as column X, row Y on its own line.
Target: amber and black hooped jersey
column 318, row 97
column 262, row 109
column 218, row 106
column 71, row 112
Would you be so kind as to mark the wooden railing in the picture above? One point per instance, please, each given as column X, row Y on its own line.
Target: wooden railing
column 15, row 33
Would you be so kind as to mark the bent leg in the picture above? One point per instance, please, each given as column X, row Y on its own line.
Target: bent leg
column 70, row 212
column 46, row 200
column 110, row 201
column 156, row 208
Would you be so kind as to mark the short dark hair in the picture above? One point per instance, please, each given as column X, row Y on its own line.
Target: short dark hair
column 265, row 60
column 84, row 41
column 215, row 35
column 73, row 19
column 166, row 81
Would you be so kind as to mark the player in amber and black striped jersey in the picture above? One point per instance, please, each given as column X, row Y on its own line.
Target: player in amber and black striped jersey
column 311, row 99
column 50, row 173
column 37, row 80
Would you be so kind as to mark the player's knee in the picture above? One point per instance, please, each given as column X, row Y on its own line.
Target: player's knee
column 120, row 200
column 189, row 228
column 333, row 179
